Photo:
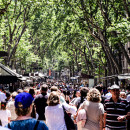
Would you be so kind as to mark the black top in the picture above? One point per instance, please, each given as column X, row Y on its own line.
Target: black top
column 41, row 102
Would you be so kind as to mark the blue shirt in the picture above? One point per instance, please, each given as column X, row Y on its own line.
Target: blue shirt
column 27, row 124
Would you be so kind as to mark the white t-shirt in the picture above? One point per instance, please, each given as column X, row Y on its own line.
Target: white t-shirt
column 3, row 128
column 4, row 115
column 55, row 116
column 11, row 107
column 2, row 96
column 128, row 98
column 108, row 95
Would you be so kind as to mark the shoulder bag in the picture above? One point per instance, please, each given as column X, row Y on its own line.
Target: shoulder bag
column 68, row 121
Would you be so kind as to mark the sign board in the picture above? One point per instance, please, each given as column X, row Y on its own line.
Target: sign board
column 91, row 83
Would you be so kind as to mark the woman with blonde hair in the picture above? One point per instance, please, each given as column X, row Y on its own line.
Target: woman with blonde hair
column 94, row 111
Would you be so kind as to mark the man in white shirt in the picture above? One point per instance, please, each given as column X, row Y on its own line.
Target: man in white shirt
column 2, row 95
column 128, row 93
column 108, row 95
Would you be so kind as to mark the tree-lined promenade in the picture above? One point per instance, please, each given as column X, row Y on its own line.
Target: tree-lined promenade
column 88, row 36
column 63, row 106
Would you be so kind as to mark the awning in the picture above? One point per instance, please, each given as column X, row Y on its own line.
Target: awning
column 23, row 78
column 109, row 77
column 7, row 75
column 124, row 76
column 121, row 76
column 7, row 71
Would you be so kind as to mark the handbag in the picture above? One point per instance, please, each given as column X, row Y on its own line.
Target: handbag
column 33, row 114
column 0, row 122
column 68, row 121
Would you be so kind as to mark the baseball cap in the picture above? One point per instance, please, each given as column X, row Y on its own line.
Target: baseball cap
column 25, row 98
column 115, row 87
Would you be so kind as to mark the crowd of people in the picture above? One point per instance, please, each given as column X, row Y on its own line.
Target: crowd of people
column 46, row 106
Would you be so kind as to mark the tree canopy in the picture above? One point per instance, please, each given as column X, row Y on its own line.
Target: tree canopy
column 83, row 35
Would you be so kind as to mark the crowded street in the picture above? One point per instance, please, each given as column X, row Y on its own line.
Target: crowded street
column 48, row 102
column 64, row 65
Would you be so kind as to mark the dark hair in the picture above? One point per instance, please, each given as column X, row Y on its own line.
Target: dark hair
column 53, row 99
column 3, row 105
column 64, row 92
column 99, row 88
column 128, row 87
column 8, row 94
column 68, row 93
column 83, row 92
column 44, row 87
column 74, row 93
column 31, row 91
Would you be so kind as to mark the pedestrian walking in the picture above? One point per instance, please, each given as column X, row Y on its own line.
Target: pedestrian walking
column 24, row 121
column 41, row 102
column 94, row 111
column 2, row 95
column 115, row 111
column 82, row 98
column 5, row 114
column 54, row 112
column 11, row 106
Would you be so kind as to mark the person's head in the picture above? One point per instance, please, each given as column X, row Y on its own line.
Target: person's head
column 84, row 91
column 44, row 88
column 26, row 90
column 94, row 95
column 99, row 88
column 8, row 95
column 53, row 99
column 32, row 92
column 64, row 92
column 23, row 104
column 123, row 95
column 14, row 94
column 78, row 94
column 19, row 91
column 3, row 105
column 109, row 89
column 53, row 88
column 74, row 93
column 68, row 93
column 115, row 91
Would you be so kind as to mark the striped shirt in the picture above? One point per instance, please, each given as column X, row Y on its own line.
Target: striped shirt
column 114, row 110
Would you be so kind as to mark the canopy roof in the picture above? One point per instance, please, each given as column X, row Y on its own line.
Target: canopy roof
column 124, row 76
column 7, row 75
column 120, row 76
